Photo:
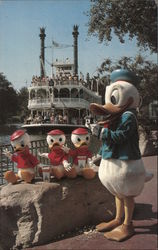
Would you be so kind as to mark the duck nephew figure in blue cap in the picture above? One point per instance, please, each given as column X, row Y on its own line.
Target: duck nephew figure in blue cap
column 121, row 169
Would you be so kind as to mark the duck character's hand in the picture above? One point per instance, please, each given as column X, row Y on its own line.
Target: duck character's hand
column 44, row 155
column 96, row 130
column 7, row 153
column 66, row 149
column 92, row 165
column 67, row 166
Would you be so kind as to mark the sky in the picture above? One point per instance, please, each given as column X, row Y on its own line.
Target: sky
column 20, row 22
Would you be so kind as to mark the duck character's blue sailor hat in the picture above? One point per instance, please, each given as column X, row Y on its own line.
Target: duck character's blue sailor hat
column 124, row 75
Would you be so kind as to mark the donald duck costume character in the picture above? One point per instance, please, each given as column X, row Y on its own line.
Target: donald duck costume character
column 121, row 169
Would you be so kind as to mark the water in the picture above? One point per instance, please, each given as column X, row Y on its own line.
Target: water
column 6, row 131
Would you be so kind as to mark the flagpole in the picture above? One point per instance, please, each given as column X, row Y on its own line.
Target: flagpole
column 52, row 60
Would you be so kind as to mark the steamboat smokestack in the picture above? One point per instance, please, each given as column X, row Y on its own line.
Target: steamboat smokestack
column 42, row 36
column 75, row 34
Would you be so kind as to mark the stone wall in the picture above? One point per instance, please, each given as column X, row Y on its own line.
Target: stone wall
column 33, row 214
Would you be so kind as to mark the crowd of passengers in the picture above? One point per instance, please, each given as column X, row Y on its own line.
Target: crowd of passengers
column 61, row 78
column 54, row 118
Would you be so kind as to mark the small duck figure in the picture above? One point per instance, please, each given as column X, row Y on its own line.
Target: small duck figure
column 57, row 156
column 121, row 169
column 81, row 155
column 26, row 162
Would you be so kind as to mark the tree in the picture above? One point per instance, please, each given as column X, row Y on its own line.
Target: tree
column 8, row 99
column 23, row 102
column 148, row 87
column 124, row 17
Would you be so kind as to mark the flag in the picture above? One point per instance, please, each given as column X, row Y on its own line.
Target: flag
column 60, row 45
column 55, row 44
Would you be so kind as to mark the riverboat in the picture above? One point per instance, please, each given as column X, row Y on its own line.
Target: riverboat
column 61, row 101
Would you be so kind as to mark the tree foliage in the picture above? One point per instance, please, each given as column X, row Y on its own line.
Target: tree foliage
column 124, row 17
column 8, row 99
column 23, row 96
column 13, row 104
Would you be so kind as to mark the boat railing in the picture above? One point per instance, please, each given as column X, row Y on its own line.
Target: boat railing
column 6, row 164
column 70, row 100
column 57, row 99
column 40, row 100
column 66, row 82
column 39, row 84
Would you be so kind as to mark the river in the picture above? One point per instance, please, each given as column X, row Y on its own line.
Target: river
column 7, row 130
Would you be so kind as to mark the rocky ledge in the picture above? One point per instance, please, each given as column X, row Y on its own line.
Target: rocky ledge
column 34, row 214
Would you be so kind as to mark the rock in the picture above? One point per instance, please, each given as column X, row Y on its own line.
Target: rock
column 34, row 214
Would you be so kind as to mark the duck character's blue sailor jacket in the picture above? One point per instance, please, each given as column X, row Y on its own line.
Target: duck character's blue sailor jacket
column 123, row 142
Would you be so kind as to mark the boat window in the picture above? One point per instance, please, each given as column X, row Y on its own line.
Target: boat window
column 48, row 94
column 41, row 93
column 67, row 68
column 64, row 93
column 74, row 93
column 55, row 92
column 32, row 94
column 81, row 94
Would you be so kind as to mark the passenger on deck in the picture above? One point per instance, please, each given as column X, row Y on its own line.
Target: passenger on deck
column 60, row 117
column 52, row 120
column 46, row 118
column 65, row 119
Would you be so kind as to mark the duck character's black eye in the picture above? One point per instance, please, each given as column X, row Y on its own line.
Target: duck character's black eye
column 87, row 138
column 115, row 97
column 52, row 140
column 78, row 139
column 60, row 139
column 113, row 100
column 22, row 144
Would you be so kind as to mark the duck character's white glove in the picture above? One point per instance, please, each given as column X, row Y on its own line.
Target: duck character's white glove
column 66, row 149
column 44, row 155
column 67, row 166
column 92, row 165
column 97, row 131
column 7, row 153
column 90, row 162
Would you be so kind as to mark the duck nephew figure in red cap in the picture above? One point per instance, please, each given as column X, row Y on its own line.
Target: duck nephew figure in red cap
column 57, row 156
column 121, row 169
column 26, row 162
column 81, row 155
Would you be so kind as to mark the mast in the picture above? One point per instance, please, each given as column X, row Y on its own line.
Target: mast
column 42, row 36
column 75, row 34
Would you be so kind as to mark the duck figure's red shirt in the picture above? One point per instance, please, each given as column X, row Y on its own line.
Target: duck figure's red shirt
column 82, row 151
column 25, row 159
column 57, row 156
